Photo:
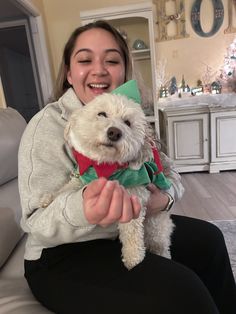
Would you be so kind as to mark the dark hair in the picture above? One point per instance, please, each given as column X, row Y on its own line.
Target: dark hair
column 62, row 84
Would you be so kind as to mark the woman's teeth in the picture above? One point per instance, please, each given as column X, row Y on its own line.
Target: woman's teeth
column 98, row 85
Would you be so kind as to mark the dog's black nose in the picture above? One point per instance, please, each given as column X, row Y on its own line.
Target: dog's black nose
column 114, row 134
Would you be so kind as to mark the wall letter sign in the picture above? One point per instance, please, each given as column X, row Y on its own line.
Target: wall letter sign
column 231, row 28
column 218, row 17
column 163, row 19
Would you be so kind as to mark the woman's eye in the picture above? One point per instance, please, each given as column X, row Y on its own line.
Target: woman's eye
column 113, row 61
column 127, row 122
column 84, row 61
column 103, row 114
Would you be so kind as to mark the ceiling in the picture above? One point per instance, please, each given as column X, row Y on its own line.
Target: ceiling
column 13, row 38
column 8, row 10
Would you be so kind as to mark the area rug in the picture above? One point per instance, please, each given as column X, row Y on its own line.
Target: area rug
column 228, row 227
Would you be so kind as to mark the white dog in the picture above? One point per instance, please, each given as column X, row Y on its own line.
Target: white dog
column 111, row 137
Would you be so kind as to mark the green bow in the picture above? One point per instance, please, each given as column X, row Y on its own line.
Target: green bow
column 130, row 90
column 148, row 173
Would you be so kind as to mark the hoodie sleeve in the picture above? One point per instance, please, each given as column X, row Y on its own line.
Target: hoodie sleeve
column 45, row 167
column 176, row 190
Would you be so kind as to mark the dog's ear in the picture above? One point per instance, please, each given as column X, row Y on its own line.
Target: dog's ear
column 144, row 154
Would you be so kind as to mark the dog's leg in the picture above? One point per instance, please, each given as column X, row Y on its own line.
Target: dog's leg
column 73, row 184
column 158, row 230
column 132, row 239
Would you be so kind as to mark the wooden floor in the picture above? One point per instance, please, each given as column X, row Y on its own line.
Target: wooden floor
column 208, row 196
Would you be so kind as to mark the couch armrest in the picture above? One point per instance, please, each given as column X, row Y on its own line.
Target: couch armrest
column 10, row 233
column 12, row 125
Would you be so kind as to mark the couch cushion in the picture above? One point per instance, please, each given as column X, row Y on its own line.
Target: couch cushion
column 10, row 198
column 15, row 294
column 10, row 215
column 10, row 233
column 14, row 268
column 12, row 125
column 16, row 298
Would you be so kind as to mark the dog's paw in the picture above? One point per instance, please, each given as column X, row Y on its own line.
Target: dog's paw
column 132, row 239
column 166, row 253
column 46, row 200
column 158, row 230
column 131, row 260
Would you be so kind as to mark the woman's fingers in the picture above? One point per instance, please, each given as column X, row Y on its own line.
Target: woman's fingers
column 127, row 212
column 115, row 208
column 136, row 205
column 94, row 188
column 97, row 199
column 151, row 187
column 106, row 202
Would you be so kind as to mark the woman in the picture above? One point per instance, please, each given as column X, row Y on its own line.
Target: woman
column 72, row 257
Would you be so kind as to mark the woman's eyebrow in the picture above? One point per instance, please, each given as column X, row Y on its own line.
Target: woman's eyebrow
column 89, row 50
column 81, row 50
column 113, row 50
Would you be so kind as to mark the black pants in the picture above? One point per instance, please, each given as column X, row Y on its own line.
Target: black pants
column 90, row 278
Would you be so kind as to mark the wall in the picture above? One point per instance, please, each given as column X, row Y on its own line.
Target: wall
column 62, row 17
column 47, row 25
column 187, row 57
column 190, row 56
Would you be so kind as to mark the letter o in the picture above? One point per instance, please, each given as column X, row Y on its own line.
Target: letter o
column 218, row 18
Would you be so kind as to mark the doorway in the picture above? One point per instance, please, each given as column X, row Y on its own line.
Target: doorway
column 18, row 73
column 24, row 51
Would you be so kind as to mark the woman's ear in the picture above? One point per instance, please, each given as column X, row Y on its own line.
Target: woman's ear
column 68, row 76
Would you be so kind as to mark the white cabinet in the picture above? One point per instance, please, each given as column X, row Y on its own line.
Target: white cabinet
column 186, row 135
column 223, row 138
column 138, row 22
column 199, row 137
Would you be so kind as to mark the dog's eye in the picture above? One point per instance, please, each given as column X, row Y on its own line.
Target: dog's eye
column 127, row 122
column 102, row 114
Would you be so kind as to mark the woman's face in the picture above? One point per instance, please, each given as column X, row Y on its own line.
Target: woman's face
column 96, row 64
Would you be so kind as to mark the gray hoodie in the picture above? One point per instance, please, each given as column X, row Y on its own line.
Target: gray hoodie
column 45, row 165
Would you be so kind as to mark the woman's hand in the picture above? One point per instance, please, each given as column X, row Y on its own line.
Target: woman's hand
column 106, row 202
column 158, row 200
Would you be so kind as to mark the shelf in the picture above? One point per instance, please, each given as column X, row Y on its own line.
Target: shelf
column 141, row 54
column 150, row 119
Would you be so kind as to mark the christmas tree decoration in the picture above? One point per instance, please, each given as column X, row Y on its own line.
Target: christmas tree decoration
column 184, row 88
column 215, row 88
column 162, row 79
column 227, row 76
column 207, row 78
column 198, row 90
column 199, row 83
column 163, row 92
column 173, row 88
column 229, row 61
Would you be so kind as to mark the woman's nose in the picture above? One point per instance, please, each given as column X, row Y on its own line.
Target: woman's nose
column 99, row 68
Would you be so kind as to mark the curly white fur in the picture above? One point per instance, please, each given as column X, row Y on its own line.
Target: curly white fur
column 87, row 132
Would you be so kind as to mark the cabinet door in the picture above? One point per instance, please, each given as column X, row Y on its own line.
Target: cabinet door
column 188, row 139
column 223, row 130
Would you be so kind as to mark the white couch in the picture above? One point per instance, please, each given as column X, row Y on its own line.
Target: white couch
column 15, row 295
